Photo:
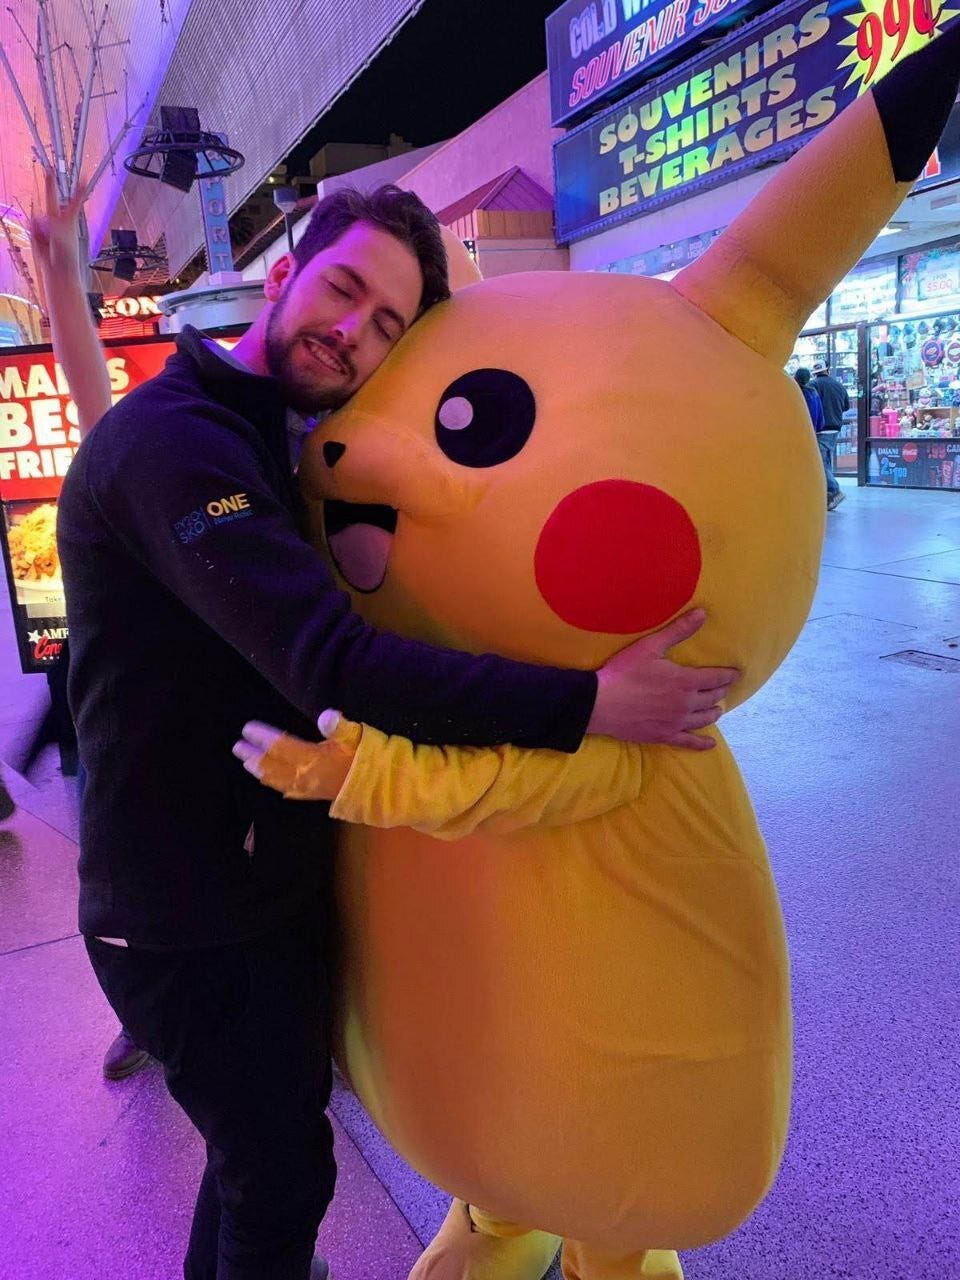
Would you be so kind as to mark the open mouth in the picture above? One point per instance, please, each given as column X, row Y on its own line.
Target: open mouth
column 359, row 536
column 324, row 357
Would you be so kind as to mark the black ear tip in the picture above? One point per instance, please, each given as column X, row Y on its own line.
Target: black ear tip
column 915, row 99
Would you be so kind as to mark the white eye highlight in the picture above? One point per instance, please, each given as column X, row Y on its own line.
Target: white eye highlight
column 456, row 413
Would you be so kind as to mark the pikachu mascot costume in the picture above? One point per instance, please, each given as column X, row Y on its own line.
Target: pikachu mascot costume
column 565, row 990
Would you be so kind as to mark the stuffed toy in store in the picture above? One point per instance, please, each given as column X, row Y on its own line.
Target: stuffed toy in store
column 565, row 992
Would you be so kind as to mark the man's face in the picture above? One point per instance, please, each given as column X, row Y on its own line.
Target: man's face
column 339, row 317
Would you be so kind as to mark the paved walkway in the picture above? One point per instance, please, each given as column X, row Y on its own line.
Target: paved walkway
column 852, row 759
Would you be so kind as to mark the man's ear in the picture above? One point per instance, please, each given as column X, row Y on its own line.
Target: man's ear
column 279, row 276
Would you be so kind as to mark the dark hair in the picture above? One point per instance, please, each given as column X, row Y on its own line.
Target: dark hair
column 802, row 376
column 400, row 213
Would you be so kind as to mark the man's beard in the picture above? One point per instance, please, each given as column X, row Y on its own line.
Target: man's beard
column 300, row 395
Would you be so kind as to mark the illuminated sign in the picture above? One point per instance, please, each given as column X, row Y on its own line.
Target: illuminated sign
column 598, row 49
column 216, row 222
column 944, row 164
column 753, row 98
column 142, row 308
column 38, row 440
column 38, row 419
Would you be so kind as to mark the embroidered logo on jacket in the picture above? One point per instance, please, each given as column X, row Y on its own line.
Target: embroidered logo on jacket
column 220, row 511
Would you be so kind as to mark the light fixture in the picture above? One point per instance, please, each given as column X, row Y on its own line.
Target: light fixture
column 125, row 257
column 286, row 200
column 180, row 151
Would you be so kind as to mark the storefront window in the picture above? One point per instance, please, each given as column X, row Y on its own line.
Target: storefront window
column 930, row 278
column 665, row 261
column 819, row 318
column 915, row 403
column 868, row 293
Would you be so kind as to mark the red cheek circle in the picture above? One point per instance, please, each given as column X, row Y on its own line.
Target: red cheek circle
column 617, row 557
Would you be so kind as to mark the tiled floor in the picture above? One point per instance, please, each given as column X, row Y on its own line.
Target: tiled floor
column 853, row 766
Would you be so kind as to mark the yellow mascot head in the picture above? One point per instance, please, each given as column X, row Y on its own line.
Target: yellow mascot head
column 554, row 464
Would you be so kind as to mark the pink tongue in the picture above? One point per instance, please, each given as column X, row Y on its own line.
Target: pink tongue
column 361, row 552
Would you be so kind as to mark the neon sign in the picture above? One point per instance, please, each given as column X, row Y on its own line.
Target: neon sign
column 598, row 49
column 139, row 308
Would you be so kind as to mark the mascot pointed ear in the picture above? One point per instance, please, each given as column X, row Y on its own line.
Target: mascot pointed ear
column 461, row 268
column 791, row 246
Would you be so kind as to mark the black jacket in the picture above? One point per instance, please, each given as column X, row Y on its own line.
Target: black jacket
column 194, row 605
column 836, row 402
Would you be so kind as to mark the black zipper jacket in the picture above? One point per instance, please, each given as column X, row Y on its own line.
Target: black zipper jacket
column 194, row 605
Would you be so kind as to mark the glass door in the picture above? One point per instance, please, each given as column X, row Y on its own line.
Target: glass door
column 839, row 349
column 844, row 363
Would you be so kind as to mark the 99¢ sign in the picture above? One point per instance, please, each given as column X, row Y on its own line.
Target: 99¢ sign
column 888, row 30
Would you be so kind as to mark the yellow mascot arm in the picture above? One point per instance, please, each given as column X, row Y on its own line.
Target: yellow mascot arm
column 382, row 781
column 785, row 253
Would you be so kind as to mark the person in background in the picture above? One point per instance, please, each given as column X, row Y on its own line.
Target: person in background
column 76, row 346
column 836, row 402
column 815, row 408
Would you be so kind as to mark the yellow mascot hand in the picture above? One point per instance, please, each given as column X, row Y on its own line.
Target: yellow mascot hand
column 301, row 770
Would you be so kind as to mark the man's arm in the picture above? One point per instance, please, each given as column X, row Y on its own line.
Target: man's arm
column 254, row 581
column 258, row 585
column 55, row 242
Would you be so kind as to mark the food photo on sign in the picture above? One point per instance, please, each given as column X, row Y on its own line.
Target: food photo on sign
column 31, row 529
column 34, row 580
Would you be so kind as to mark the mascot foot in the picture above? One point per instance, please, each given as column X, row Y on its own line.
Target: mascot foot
column 661, row 1264
column 462, row 1250
column 580, row 1262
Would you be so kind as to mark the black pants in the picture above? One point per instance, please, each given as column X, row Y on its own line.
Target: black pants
column 242, row 1033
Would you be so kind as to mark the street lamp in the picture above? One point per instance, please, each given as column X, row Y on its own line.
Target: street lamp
column 286, row 199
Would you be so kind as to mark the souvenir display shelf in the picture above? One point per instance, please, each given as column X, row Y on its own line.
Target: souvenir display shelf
column 913, row 438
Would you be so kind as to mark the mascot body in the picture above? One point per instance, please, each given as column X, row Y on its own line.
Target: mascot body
column 565, row 987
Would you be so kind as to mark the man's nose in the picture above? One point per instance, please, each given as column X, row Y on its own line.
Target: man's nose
column 333, row 451
column 349, row 328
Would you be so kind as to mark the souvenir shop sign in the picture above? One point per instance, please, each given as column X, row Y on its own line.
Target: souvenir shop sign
column 597, row 50
column 753, row 98
column 38, row 439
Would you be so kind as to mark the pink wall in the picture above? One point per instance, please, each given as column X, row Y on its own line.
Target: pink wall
column 517, row 132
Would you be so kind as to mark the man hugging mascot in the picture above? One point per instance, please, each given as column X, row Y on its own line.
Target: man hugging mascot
column 565, row 988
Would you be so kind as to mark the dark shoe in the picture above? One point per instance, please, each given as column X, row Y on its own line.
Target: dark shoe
column 835, row 501
column 123, row 1058
column 319, row 1269
column 7, row 804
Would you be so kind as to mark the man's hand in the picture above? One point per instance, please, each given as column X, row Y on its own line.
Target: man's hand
column 54, row 234
column 642, row 696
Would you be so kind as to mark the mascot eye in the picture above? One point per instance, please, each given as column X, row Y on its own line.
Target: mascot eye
column 485, row 418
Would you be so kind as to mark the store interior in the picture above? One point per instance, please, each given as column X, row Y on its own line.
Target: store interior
column 890, row 333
